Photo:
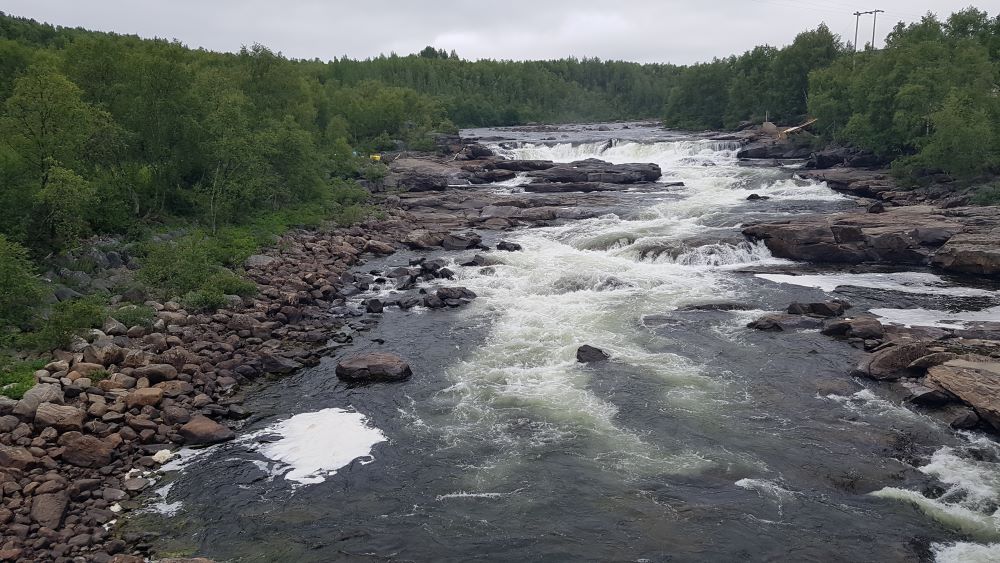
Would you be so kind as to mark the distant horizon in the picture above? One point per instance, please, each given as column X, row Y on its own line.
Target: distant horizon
column 609, row 34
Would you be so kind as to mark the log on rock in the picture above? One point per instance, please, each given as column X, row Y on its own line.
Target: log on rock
column 378, row 366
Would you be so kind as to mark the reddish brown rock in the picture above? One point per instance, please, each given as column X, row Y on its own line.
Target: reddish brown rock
column 149, row 396
column 48, row 509
column 83, row 450
column 201, row 430
column 62, row 418
column 975, row 383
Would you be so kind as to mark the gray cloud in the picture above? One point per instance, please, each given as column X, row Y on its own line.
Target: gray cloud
column 648, row 31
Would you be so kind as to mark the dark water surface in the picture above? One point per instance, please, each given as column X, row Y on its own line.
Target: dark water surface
column 700, row 441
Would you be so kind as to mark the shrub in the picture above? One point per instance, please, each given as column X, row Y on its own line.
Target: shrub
column 351, row 214
column 17, row 377
column 20, row 290
column 204, row 300
column 177, row 267
column 987, row 195
column 135, row 315
column 66, row 320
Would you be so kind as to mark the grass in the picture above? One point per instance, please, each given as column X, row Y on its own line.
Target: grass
column 17, row 377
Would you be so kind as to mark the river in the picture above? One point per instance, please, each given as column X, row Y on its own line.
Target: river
column 700, row 440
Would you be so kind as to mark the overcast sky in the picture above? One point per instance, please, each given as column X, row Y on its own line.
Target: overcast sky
column 676, row 31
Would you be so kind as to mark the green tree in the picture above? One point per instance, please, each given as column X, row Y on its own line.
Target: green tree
column 20, row 289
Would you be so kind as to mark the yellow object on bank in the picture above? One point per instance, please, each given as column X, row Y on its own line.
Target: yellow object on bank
column 376, row 157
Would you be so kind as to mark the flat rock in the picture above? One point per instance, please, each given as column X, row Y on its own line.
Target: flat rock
column 378, row 366
column 975, row 383
column 784, row 321
column 84, row 450
column 16, row 457
column 588, row 354
column 62, row 418
column 48, row 510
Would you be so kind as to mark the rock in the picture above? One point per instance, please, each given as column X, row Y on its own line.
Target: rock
column 717, row 307
column 524, row 165
column 278, row 365
column 41, row 393
column 62, row 418
column 373, row 305
column 929, row 395
column 259, row 261
column 824, row 309
column 508, row 246
column 149, row 396
column 201, row 430
column 891, row 362
column 973, row 253
column 16, row 457
column 587, row 354
column 863, row 327
column 156, row 373
column 594, row 170
column 455, row 241
column 84, row 450
column 446, row 293
column 975, row 383
column 757, row 197
column 783, row 321
column 111, row 327
column 421, row 240
column 931, row 360
column 376, row 366
column 48, row 509
column 876, row 207
column 378, row 247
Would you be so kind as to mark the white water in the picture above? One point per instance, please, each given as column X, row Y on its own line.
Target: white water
column 935, row 318
column 902, row 282
column 314, row 445
column 599, row 277
column 970, row 503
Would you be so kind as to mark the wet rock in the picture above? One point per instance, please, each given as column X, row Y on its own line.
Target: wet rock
column 975, row 383
column 594, row 170
column 524, row 165
column 824, row 309
column 201, row 430
column 374, row 305
column 376, row 366
column 446, row 293
column 862, row 327
column 508, row 246
column 757, row 197
column 891, row 362
column 783, row 321
column 717, row 307
column 588, row 354
column 455, row 241
column 279, row 365
column 929, row 395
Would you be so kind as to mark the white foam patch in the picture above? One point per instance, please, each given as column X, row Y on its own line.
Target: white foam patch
column 935, row 318
column 902, row 282
column 972, row 495
column 314, row 445
column 966, row 552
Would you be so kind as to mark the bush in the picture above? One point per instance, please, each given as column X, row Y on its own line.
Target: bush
column 351, row 215
column 135, row 315
column 66, row 320
column 204, row 300
column 17, row 378
column 20, row 290
column 177, row 267
column 987, row 195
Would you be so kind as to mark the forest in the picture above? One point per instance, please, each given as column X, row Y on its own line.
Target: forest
column 104, row 134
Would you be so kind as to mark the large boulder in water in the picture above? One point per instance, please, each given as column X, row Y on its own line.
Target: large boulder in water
column 599, row 171
column 377, row 366
column 588, row 354
column 974, row 383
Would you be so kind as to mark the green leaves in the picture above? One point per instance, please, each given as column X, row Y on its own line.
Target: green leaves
column 20, row 289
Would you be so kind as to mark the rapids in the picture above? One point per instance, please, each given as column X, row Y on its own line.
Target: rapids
column 698, row 441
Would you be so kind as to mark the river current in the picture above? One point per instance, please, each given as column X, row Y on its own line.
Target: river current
column 700, row 440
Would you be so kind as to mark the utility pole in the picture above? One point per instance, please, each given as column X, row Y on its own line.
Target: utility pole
column 874, row 21
column 857, row 22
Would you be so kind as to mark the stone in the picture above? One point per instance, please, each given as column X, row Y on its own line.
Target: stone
column 62, row 418
column 455, row 241
column 259, row 261
column 929, row 395
column 508, row 246
column 156, row 373
column 378, row 247
column 48, row 510
column 150, row 396
column 276, row 364
column 201, row 430
column 891, row 362
column 373, row 305
column 588, row 354
column 16, row 457
column 975, row 383
column 784, row 321
column 84, row 450
column 377, row 366
column 112, row 327
column 41, row 393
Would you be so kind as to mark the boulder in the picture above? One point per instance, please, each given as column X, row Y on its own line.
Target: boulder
column 508, row 246
column 422, row 240
column 201, row 430
column 975, row 383
column 891, row 362
column 524, row 165
column 112, row 327
column 48, row 510
column 863, row 327
column 460, row 241
column 149, row 396
column 378, row 247
column 62, row 418
column 84, row 450
column 824, row 309
column 41, row 393
column 587, row 354
column 276, row 364
column 374, row 305
column 16, row 457
column 259, row 261
column 156, row 373
column 376, row 366
column 784, row 321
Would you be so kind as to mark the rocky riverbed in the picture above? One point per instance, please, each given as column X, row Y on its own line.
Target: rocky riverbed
column 497, row 264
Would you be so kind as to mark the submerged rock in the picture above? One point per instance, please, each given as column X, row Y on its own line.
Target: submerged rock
column 378, row 366
column 588, row 354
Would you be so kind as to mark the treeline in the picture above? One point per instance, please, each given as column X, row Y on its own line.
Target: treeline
column 929, row 101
